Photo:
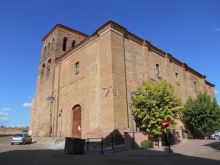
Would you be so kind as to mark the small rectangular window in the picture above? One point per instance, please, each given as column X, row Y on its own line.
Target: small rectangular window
column 77, row 68
column 157, row 71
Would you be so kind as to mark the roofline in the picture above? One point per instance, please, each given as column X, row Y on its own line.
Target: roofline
column 158, row 50
column 210, row 84
column 63, row 27
column 63, row 56
column 139, row 40
column 113, row 25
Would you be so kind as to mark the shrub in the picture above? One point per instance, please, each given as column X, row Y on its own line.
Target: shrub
column 189, row 136
column 146, row 144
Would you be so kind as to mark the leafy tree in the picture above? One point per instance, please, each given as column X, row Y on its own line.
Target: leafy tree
column 154, row 102
column 201, row 115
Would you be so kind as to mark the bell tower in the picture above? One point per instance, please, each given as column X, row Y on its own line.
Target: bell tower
column 55, row 44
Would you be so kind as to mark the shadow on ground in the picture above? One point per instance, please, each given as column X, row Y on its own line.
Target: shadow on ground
column 215, row 145
column 34, row 156
column 129, row 157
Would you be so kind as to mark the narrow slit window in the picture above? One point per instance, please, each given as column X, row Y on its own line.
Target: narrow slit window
column 64, row 43
column 77, row 68
column 157, row 71
column 73, row 43
column 48, row 46
column 48, row 67
column 45, row 48
column 42, row 71
column 195, row 87
column 177, row 77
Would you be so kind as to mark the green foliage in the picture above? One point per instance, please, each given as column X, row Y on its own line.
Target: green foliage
column 154, row 102
column 146, row 144
column 201, row 115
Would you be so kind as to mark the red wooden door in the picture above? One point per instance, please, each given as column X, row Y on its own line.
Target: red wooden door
column 77, row 121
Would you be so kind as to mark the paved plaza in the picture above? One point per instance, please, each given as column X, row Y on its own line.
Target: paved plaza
column 200, row 152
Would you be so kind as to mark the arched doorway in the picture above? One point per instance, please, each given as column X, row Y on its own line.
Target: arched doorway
column 76, row 128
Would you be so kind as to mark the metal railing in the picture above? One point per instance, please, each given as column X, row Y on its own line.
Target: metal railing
column 94, row 140
column 101, row 142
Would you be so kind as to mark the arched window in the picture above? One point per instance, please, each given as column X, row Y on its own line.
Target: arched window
column 42, row 70
column 48, row 67
column 64, row 43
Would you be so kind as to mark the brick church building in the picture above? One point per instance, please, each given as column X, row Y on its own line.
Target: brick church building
column 85, row 82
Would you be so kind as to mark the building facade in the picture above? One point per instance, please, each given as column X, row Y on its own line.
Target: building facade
column 85, row 82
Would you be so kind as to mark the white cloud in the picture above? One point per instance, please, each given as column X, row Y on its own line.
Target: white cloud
column 28, row 105
column 6, row 109
column 3, row 116
column 216, row 92
column 217, row 29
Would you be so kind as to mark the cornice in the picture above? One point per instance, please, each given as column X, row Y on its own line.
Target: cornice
column 210, row 84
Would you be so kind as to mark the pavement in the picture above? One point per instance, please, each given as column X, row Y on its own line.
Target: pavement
column 202, row 152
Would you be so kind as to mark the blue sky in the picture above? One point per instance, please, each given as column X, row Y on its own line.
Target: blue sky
column 188, row 29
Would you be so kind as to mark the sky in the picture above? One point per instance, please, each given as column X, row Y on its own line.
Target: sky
column 188, row 29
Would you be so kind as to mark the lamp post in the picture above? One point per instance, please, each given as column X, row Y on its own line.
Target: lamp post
column 61, row 117
column 51, row 99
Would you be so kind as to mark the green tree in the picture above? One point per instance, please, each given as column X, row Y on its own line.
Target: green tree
column 153, row 102
column 201, row 115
